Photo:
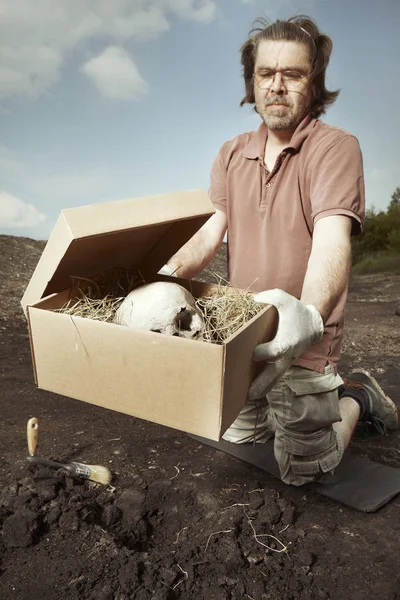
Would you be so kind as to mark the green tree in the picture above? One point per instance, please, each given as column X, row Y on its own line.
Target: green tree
column 381, row 231
column 393, row 211
column 393, row 242
column 395, row 201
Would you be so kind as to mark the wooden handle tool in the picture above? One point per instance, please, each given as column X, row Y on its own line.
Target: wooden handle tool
column 32, row 431
column 96, row 473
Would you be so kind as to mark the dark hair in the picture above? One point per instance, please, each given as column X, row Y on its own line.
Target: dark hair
column 299, row 29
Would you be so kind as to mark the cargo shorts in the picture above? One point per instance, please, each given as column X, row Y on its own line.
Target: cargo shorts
column 299, row 412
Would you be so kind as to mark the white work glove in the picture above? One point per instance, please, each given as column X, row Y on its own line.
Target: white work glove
column 299, row 326
column 167, row 270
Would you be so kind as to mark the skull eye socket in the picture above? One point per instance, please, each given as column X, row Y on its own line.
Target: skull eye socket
column 183, row 319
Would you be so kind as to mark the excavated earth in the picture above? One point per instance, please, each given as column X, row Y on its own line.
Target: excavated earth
column 180, row 520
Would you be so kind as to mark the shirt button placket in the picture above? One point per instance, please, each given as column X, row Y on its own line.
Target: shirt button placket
column 266, row 192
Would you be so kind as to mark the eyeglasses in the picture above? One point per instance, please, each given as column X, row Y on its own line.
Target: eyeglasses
column 290, row 78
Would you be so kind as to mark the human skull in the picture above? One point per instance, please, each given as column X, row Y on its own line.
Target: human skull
column 162, row 307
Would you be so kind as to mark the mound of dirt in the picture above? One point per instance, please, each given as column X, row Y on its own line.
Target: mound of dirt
column 18, row 258
column 150, row 540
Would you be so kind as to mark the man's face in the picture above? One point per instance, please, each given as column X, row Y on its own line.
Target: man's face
column 282, row 104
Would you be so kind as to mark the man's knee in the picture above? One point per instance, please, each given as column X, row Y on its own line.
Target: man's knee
column 306, row 404
column 306, row 457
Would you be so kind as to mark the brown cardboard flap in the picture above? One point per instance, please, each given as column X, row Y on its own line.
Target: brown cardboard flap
column 105, row 217
column 60, row 239
column 139, row 233
column 86, row 257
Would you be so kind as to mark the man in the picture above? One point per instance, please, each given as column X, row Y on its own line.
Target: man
column 290, row 195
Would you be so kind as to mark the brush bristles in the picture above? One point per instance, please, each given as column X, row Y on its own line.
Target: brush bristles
column 99, row 474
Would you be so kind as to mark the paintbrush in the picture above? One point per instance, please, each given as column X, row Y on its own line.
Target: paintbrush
column 95, row 473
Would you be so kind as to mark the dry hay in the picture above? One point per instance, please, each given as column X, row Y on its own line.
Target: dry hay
column 100, row 297
column 224, row 311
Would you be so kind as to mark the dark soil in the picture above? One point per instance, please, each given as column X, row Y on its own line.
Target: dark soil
column 180, row 521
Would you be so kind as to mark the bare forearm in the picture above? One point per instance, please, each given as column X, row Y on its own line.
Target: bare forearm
column 328, row 269
column 199, row 251
column 192, row 258
column 326, row 281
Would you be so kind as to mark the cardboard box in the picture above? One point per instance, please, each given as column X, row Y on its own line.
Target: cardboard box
column 189, row 385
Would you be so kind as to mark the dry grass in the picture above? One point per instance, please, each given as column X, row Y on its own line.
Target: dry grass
column 99, row 298
column 224, row 311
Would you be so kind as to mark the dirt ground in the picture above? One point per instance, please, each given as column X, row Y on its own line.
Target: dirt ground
column 180, row 520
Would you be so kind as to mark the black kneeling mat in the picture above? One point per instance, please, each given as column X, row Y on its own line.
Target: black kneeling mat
column 358, row 482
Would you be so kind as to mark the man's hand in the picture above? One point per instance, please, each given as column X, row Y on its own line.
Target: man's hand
column 299, row 326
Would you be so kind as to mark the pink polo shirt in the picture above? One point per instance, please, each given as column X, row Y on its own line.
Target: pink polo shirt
column 271, row 215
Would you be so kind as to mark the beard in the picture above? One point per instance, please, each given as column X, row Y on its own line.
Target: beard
column 278, row 119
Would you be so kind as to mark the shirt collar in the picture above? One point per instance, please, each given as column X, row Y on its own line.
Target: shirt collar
column 255, row 147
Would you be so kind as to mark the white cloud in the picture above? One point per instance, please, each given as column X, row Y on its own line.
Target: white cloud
column 36, row 36
column 115, row 75
column 15, row 214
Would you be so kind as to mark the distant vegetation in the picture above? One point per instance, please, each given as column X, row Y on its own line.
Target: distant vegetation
column 378, row 250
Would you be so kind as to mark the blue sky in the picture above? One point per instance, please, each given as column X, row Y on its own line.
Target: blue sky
column 102, row 100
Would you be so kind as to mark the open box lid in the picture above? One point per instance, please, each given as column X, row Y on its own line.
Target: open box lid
column 140, row 233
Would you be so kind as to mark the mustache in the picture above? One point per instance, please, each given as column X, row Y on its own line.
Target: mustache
column 277, row 100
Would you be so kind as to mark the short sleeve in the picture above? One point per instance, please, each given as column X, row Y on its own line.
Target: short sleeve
column 337, row 181
column 218, row 181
